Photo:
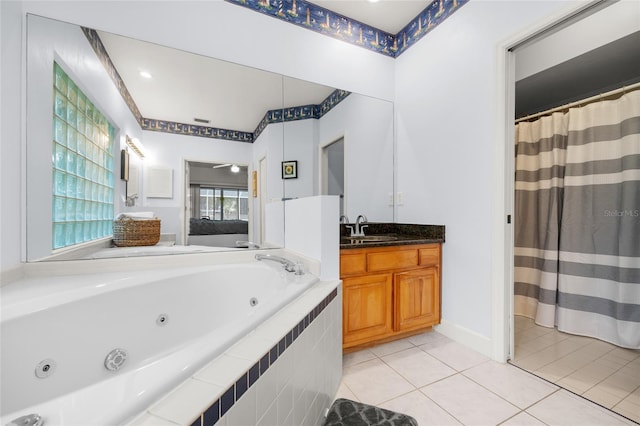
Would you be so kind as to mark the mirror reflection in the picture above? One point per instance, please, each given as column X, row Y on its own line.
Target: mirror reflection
column 194, row 117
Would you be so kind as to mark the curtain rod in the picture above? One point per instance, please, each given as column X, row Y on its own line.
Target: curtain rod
column 601, row 96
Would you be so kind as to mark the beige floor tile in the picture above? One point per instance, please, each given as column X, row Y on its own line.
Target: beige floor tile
column 522, row 419
column 563, row 408
column 357, row 357
column 579, row 381
column 391, row 347
column 601, row 396
column 418, row 367
column 456, row 355
column 430, row 337
column 619, row 384
column 516, row 386
column 421, row 408
column 628, row 409
column 373, row 382
column 345, row 392
column 469, row 402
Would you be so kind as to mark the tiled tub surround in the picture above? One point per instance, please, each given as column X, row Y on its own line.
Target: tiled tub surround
column 286, row 372
column 102, row 310
column 404, row 233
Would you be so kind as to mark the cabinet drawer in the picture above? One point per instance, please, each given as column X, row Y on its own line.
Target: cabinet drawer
column 351, row 264
column 430, row 256
column 396, row 259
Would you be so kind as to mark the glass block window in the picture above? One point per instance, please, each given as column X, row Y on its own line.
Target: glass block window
column 82, row 166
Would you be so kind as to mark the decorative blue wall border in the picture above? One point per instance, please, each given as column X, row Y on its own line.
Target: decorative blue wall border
column 324, row 21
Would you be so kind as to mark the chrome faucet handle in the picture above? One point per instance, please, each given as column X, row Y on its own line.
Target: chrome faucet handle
column 351, row 229
column 247, row 244
column 28, row 420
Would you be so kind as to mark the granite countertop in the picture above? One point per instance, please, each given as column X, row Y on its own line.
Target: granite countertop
column 391, row 234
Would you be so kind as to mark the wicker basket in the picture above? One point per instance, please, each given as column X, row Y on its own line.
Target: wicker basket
column 128, row 232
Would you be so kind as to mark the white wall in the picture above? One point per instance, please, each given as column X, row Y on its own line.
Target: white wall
column 448, row 119
column 11, row 136
column 367, row 126
column 300, row 144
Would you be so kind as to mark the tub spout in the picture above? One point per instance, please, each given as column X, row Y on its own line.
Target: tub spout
column 28, row 420
column 289, row 266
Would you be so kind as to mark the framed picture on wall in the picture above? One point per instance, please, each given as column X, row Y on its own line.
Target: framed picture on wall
column 289, row 169
column 254, row 181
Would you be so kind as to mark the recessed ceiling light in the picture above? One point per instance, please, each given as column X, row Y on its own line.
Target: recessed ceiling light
column 373, row 1
column 145, row 74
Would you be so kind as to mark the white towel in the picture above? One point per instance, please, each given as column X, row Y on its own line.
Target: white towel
column 136, row 215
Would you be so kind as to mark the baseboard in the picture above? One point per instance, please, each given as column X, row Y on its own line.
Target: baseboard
column 466, row 337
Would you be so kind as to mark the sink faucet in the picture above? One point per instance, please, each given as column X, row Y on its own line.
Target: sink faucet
column 360, row 225
column 344, row 219
column 289, row 266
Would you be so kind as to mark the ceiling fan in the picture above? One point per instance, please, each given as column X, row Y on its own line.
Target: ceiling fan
column 234, row 168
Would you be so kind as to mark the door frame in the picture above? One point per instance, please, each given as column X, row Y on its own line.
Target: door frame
column 503, row 180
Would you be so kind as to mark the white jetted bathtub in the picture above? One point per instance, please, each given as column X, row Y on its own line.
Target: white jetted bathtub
column 96, row 349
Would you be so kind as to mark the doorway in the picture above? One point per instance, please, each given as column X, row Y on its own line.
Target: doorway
column 594, row 369
column 332, row 171
column 216, row 204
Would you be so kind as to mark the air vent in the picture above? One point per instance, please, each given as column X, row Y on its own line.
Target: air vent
column 201, row 120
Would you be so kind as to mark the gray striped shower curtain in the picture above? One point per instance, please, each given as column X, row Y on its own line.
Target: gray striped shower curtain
column 577, row 220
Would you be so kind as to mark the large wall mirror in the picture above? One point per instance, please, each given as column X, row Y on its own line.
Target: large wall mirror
column 222, row 132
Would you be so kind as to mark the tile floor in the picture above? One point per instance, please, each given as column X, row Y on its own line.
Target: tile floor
column 441, row 382
column 604, row 373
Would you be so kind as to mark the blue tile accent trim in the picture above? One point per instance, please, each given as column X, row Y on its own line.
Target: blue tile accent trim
column 212, row 415
column 228, row 399
column 324, row 21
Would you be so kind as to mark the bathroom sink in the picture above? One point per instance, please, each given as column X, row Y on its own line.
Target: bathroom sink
column 373, row 238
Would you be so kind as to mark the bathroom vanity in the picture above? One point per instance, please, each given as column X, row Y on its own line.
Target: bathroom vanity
column 391, row 283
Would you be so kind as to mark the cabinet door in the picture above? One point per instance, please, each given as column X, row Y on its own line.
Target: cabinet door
column 417, row 298
column 367, row 308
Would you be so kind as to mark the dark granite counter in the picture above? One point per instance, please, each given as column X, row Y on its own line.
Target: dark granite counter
column 391, row 234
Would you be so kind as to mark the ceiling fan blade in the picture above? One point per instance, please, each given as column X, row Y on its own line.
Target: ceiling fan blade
column 221, row 165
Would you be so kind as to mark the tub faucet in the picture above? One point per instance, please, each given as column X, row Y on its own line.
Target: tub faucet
column 360, row 225
column 28, row 420
column 247, row 244
column 289, row 266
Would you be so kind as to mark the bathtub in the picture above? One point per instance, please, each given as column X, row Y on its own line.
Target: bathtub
column 159, row 328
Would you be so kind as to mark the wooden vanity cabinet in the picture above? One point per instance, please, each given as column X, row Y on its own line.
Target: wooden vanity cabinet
column 389, row 292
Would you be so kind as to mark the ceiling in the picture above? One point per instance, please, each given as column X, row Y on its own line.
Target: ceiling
column 184, row 86
column 386, row 15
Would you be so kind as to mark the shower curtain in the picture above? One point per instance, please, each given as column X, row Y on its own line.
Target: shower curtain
column 577, row 220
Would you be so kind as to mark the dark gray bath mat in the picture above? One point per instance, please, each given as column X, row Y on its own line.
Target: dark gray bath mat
column 344, row 412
